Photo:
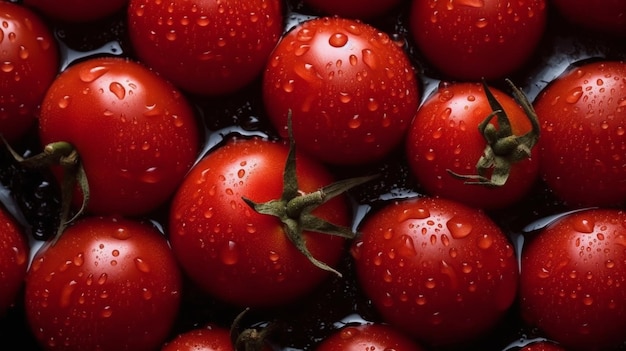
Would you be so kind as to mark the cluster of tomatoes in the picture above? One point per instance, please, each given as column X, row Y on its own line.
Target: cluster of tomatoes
column 313, row 174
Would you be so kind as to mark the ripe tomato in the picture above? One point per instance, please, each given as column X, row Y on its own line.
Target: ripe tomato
column 583, row 124
column 201, row 339
column 14, row 252
column 368, row 337
column 443, row 272
column 444, row 137
column 352, row 90
column 205, row 47
column 135, row 133
column 106, row 284
column 357, row 9
column 29, row 60
column 474, row 39
column 572, row 276
column 606, row 16
column 542, row 346
column 77, row 10
column 236, row 254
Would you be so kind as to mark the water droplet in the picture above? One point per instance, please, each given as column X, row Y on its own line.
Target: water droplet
column 574, row 95
column 106, row 312
column 369, row 58
column 459, row 227
column 338, row 40
column 407, row 249
column 118, row 90
column 146, row 294
column 484, row 241
column 64, row 102
column 229, row 253
column 414, row 213
column 142, row 265
column 584, row 225
column 89, row 75
column 66, row 294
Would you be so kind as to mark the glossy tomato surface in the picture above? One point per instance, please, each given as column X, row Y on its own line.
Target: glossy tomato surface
column 206, row 47
column 572, row 276
column 236, row 254
column 14, row 260
column 444, row 137
column 583, row 119
column 474, row 39
column 441, row 271
column 357, row 9
column 201, row 339
column 106, row 284
column 77, row 10
column 606, row 16
column 136, row 134
column 30, row 61
column 351, row 90
column 368, row 337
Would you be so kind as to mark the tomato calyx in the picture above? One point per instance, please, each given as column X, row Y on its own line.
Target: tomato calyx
column 294, row 209
column 62, row 154
column 249, row 339
column 503, row 148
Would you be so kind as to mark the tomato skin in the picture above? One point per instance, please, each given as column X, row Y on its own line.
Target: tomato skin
column 352, row 91
column 201, row 339
column 30, row 62
column 236, row 254
column 135, row 133
column 440, row 271
column 543, row 346
column 354, row 8
column 572, row 276
column 218, row 46
column 605, row 16
column 470, row 40
column 14, row 251
column 444, row 136
column 368, row 336
column 583, row 118
column 77, row 10
column 107, row 284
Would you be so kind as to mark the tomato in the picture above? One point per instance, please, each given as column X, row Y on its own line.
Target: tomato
column 14, row 251
column 542, row 346
column 354, row 8
column 474, row 39
column 77, row 10
column 205, row 47
column 30, row 61
column 583, row 119
column 234, row 253
column 572, row 276
column 441, row 271
column 201, row 339
column 606, row 16
column 444, row 141
column 135, row 133
column 351, row 89
column 368, row 336
column 106, row 284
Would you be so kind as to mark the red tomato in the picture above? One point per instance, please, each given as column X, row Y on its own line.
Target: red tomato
column 357, row 9
column 206, row 47
column 236, row 254
column 352, row 90
column 443, row 272
column 572, row 276
column 583, row 115
column 444, row 137
column 14, row 252
column 543, row 346
column 29, row 60
column 605, row 16
column 474, row 39
column 135, row 133
column 368, row 337
column 106, row 284
column 202, row 339
column 77, row 10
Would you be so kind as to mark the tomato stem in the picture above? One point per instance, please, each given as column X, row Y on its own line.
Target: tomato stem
column 62, row 154
column 503, row 148
column 294, row 208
